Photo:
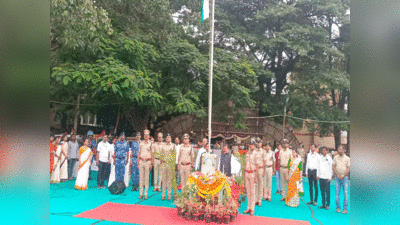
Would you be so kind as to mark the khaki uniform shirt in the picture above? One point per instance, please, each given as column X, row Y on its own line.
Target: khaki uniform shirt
column 168, row 148
column 145, row 150
column 269, row 158
column 284, row 156
column 260, row 157
column 251, row 161
column 186, row 154
column 341, row 164
column 156, row 147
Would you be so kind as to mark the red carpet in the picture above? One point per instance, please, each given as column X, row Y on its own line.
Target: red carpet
column 149, row 215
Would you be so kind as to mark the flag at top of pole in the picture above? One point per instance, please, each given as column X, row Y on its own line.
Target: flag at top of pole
column 205, row 10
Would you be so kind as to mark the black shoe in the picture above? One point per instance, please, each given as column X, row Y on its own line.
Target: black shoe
column 310, row 203
column 277, row 192
column 322, row 207
column 90, row 178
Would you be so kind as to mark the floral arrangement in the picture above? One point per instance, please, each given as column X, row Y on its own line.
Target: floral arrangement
column 206, row 197
column 210, row 185
column 232, row 206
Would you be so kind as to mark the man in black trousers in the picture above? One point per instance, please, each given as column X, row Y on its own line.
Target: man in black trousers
column 103, row 158
column 324, row 177
column 312, row 166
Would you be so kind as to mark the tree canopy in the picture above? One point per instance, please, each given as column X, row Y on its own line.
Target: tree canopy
column 151, row 57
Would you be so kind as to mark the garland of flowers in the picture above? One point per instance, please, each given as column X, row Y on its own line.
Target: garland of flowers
column 169, row 159
column 210, row 189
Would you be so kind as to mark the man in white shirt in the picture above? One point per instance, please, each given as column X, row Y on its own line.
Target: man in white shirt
column 324, row 176
column 103, row 159
column 177, row 147
column 312, row 166
column 201, row 151
column 235, row 164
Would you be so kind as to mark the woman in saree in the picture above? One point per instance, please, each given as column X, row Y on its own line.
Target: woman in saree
column 295, row 184
column 64, row 159
column 85, row 157
column 55, row 175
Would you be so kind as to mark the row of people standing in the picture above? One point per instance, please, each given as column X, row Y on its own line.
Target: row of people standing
column 263, row 164
column 258, row 171
column 144, row 156
column 59, row 159
column 319, row 168
column 64, row 157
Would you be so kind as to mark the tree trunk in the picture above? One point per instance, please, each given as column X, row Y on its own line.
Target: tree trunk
column 64, row 122
column 336, row 102
column 137, row 117
column 280, row 82
column 280, row 74
column 77, row 115
column 337, row 135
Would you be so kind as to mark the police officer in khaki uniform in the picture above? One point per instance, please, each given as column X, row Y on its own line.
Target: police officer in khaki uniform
column 167, row 150
column 284, row 155
column 268, row 171
column 250, row 176
column 260, row 161
column 185, row 159
column 156, row 147
column 145, row 163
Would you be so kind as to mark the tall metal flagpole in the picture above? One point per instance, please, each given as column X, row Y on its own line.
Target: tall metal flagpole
column 211, row 71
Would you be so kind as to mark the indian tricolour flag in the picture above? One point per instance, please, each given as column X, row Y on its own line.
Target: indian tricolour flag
column 205, row 9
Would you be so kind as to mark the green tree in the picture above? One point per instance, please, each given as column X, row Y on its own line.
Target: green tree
column 79, row 31
column 287, row 39
column 105, row 82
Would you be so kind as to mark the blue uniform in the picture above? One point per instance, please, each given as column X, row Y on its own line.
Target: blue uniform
column 121, row 152
column 135, row 170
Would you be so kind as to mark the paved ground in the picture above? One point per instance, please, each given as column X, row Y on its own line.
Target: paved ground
column 65, row 202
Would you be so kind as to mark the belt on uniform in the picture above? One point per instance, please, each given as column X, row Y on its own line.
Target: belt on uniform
column 285, row 167
column 250, row 171
column 157, row 158
column 260, row 167
column 120, row 157
column 145, row 160
column 134, row 156
column 268, row 166
column 185, row 164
